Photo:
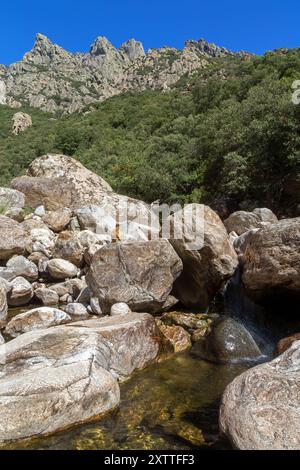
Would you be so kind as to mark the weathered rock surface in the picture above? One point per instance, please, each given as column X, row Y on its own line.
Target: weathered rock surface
column 68, row 247
column 11, row 198
column 140, row 274
column 177, row 336
column 260, row 409
column 57, row 220
column 21, row 292
column 242, row 221
column 272, row 260
column 36, row 319
column 58, row 181
column 61, row 269
column 3, row 302
column 285, row 343
column 1, row 339
column 207, row 264
column 47, row 296
column 65, row 375
column 227, row 341
column 20, row 266
column 12, row 239
column 77, row 310
column 21, row 122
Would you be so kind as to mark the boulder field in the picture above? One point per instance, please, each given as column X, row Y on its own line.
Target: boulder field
column 104, row 291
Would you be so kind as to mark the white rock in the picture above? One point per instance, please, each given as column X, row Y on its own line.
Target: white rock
column 62, row 269
column 119, row 309
column 36, row 319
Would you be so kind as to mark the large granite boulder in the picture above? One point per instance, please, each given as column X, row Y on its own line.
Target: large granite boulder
column 272, row 260
column 19, row 266
column 141, row 274
column 242, row 221
column 260, row 409
column 12, row 238
column 58, row 181
column 54, row 378
column 209, row 262
column 36, row 319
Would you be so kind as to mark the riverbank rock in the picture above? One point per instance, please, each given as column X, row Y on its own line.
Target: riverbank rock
column 227, row 342
column 177, row 336
column 20, row 266
column 260, row 409
column 285, row 343
column 3, row 302
column 208, row 263
column 119, row 309
column 55, row 378
column 140, row 274
column 21, row 292
column 46, row 296
column 242, row 221
column 1, row 339
column 21, row 122
column 36, row 319
column 272, row 260
column 61, row 269
column 12, row 238
column 58, row 181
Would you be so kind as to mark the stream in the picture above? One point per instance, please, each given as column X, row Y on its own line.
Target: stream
column 174, row 405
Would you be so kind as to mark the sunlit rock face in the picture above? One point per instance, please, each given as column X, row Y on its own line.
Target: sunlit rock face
column 2, row 92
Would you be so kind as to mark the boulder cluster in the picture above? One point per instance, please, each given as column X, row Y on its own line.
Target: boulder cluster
column 87, row 280
column 88, row 289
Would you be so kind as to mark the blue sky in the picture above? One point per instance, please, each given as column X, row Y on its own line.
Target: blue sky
column 256, row 25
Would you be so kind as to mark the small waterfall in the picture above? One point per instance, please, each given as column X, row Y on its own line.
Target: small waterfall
column 254, row 317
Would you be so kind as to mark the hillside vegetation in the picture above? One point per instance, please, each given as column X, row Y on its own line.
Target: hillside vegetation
column 228, row 136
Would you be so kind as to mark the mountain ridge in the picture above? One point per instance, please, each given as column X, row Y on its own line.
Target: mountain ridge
column 57, row 81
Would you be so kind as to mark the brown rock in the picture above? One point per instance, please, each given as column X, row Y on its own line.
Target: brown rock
column 69, row 248
column 58, row 220
column 285, row 343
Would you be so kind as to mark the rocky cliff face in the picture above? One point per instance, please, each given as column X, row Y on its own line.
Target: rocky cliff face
column 54, row 80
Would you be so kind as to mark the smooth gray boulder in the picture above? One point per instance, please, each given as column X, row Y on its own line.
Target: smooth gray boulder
column 260, row 409
column 36, row 319
column 140, row 274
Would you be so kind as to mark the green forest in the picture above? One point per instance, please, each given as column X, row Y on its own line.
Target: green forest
column 227, row 136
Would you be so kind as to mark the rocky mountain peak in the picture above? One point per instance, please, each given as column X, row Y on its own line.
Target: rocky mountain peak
column 101, row 46
column 208, row 49
column 133, row 49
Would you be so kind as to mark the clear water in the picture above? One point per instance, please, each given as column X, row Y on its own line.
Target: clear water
column 172, row 405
